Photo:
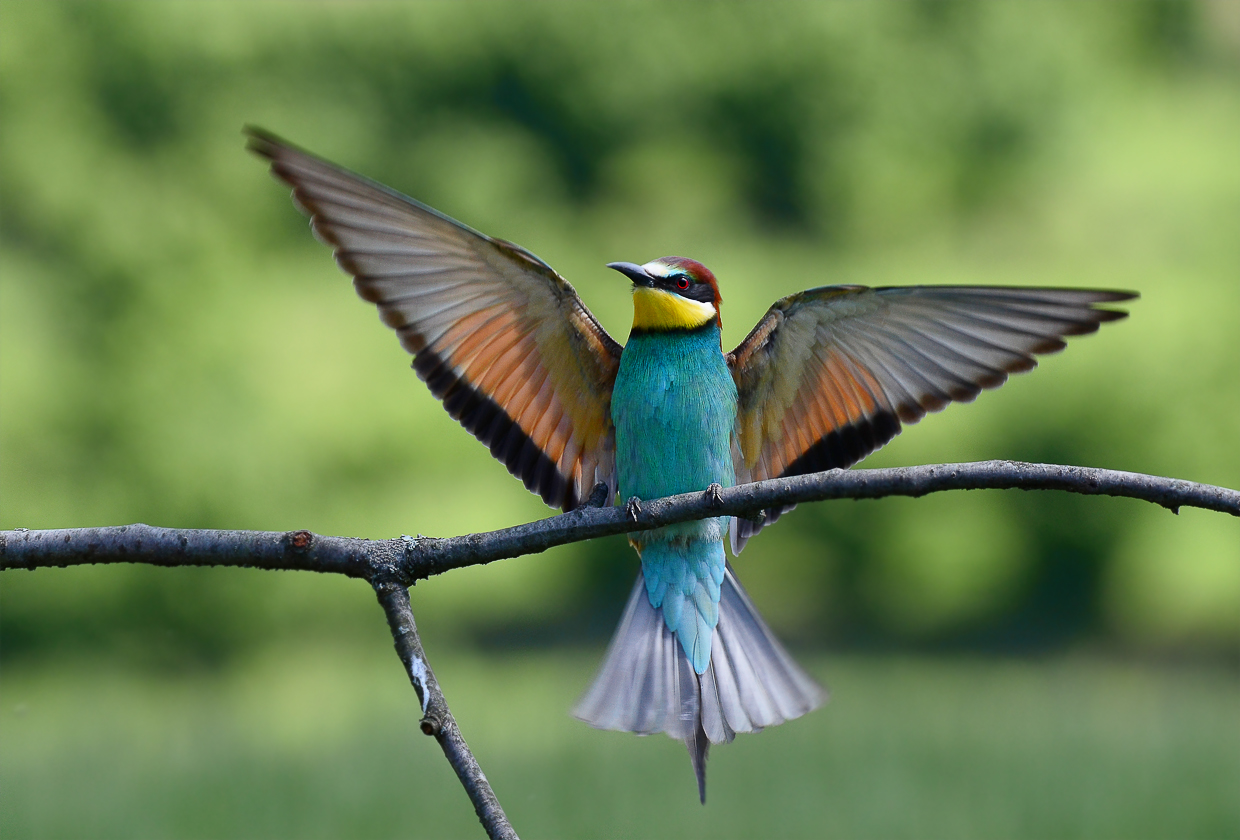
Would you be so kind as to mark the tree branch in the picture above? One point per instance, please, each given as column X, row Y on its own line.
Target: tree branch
column 408, row 559
column 437, row 719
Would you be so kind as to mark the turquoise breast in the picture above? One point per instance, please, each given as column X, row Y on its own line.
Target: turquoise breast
column 674, row 409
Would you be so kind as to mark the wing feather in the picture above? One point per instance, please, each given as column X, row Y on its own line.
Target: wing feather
column 829, row 375
column 495, row 333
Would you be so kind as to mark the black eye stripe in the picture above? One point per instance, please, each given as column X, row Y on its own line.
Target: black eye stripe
column 695, row 290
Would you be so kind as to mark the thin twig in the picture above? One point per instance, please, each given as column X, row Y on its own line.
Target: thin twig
column 175, row 547
column 407, row 559
column 437, row 719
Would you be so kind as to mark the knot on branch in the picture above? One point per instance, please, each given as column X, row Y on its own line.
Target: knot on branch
column 299, row 540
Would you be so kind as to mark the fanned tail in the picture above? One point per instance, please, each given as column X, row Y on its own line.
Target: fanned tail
column 646, row 683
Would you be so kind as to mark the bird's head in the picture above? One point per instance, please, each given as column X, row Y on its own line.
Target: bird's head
column 672, row 293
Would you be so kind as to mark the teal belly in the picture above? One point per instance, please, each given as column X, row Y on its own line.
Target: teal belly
column 674, row 409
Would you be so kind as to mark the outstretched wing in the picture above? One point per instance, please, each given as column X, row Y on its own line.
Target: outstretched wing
column 830, row 374
column 499, row 337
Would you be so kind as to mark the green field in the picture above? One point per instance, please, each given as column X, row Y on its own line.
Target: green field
column 323, row 742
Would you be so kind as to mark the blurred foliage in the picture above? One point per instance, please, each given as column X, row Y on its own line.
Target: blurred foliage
column 176, row 349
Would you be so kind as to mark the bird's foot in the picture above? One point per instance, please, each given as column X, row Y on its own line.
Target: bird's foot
column 598, row 497
column 714, row 495
column 633, row 508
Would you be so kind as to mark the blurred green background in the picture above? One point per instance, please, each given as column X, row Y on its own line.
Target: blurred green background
column 177, row 349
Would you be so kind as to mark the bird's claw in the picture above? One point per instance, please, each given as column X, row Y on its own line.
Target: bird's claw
column 633, row 508
column 598, row 497
column 714, row 495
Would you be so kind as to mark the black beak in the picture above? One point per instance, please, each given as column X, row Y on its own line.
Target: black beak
column 634, row 272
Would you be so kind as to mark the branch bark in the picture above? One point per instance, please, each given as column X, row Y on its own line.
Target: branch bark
column 409, row 559
column 437, row 719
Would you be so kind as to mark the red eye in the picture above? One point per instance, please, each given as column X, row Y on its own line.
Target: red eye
column 682, row 283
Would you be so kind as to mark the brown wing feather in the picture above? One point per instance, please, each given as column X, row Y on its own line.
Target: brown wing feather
column 829, row 375
column 496, row 334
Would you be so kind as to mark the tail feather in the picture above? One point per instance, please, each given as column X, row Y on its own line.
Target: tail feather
column 699, row 745
column 646, row 683
column 766, row 687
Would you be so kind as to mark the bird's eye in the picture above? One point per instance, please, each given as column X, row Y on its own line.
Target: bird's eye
column 682, row 283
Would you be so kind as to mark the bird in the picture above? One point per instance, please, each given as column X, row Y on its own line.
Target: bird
column 826, row 377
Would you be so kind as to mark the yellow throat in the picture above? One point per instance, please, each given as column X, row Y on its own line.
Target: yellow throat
column 656, row 309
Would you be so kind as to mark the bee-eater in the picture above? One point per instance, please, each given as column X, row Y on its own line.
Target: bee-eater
column 825, row 378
